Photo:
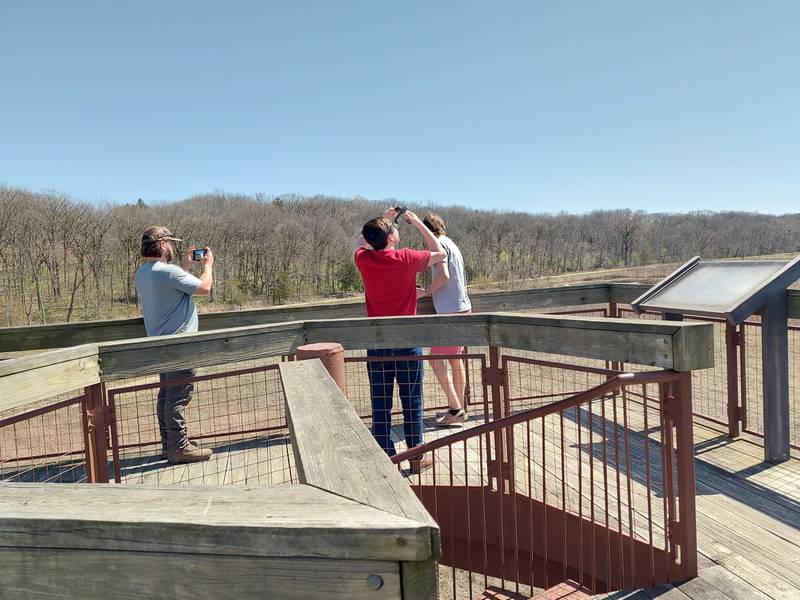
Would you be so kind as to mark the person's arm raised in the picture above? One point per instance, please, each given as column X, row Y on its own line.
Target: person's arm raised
column 437, row 251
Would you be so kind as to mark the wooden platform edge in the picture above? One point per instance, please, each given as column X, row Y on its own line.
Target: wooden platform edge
column 336, row 453
column 278, row 522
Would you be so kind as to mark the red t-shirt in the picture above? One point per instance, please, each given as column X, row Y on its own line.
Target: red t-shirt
column 390, row 279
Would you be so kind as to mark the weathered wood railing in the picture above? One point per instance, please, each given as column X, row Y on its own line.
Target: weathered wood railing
column 39, row 337
column 352, row 529
column 357, row 542
column 670, row 345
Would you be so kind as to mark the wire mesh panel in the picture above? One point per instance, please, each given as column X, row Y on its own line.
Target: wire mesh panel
column 583, row 489
column 468, row 371
column 238, row 414
column 709, row 386
column 752, row 384
column 533, row 382
column 44, row 443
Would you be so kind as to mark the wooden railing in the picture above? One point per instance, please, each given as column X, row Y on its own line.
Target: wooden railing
column 335, row 526
column 38, row 337
column 351, row 529
column 670, row 345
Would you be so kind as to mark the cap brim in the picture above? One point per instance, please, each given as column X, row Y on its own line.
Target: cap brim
column 172, row 239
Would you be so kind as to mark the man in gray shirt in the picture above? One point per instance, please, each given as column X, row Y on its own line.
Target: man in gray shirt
column 165, row 292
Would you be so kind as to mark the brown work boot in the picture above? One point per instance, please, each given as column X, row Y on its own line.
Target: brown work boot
column 164, row 454
column 421, row 463
column 448, row 418
column 189, row 454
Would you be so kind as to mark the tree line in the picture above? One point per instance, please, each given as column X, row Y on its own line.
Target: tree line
column 62, row 259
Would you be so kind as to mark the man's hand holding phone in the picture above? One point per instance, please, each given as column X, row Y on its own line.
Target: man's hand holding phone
column 197, row 255
column 207, row 258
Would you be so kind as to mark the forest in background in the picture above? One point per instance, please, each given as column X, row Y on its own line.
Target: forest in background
column 62, row 259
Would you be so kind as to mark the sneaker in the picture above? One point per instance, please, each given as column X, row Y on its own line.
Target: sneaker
column 189, row 454
column 448, row 418
column 419, row 464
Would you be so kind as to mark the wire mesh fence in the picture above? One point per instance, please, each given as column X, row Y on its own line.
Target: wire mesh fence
column 44, row 442
column 752, row 383
column 407, row 367
column 238, row 414
column 710, row 386
column 584, row 489
column 236, row 410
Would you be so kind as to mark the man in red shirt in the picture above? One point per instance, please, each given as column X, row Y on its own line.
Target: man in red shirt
column 390, row 288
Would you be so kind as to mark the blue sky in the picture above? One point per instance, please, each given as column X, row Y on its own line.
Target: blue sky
column 541, row 106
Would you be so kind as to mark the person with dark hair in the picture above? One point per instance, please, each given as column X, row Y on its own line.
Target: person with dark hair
column 165, row 292
column 449, row 290
column 390, row 283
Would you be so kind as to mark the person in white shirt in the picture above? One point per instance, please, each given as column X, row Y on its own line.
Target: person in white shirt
column 449, row 291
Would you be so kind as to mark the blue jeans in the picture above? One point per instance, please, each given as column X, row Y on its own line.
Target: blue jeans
column 409, row 374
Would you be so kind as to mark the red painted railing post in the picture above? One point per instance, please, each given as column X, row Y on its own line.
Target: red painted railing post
column 732, row 368
column 96, row 425
column 613, row 313
column 681, row 413
column 495, row 377
column 743, row 374
column 332, row 357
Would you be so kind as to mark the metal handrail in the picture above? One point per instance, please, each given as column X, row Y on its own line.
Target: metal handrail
column 611, row 385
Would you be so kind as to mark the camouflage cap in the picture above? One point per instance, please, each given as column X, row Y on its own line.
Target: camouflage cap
column 156, row 234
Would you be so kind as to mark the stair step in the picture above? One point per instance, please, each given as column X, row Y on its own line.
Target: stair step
column 496, row 593
column 568, row 590
column 563, row 591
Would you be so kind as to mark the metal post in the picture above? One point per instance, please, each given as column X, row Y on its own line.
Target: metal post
column 96, row 434
column 775, row 375
column 732, row 365
column 495, row 376
column 613, row 313
column 743, row 374
column 684, row 438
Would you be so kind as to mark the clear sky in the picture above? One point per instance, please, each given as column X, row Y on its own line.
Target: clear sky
column 532, row 105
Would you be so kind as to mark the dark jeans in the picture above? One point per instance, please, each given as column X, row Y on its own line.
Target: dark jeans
column 382, row 375
column 172, row 401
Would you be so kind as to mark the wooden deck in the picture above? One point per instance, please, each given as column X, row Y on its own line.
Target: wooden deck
column 748, row 512
column 748, row 525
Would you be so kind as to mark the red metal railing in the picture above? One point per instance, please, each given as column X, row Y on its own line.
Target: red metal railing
column 564, row 470
column 597, row 488
column 238, row 413
column 111, row 433
column 45, row 444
